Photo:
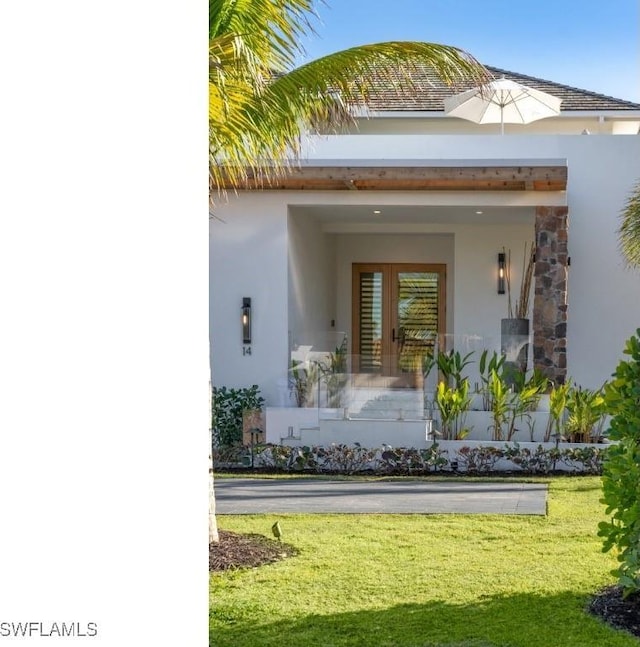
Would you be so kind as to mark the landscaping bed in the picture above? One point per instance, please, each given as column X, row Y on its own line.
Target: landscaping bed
column 235, row 550
column 619, row 612
column 445, row 457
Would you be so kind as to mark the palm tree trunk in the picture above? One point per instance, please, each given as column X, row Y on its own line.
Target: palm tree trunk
column 213, row 523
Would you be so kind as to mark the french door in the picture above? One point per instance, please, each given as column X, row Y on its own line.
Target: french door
column 398, row 313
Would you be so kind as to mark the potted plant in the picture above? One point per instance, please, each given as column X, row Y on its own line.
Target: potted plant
column 514, row 330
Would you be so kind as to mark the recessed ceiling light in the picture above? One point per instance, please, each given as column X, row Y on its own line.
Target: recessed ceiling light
column 376, row 211
column 479, row 213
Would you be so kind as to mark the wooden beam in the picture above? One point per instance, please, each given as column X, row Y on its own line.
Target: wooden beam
column 413, row 178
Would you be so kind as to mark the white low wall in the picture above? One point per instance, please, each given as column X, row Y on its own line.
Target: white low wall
column 288, row 422
column 312, row 426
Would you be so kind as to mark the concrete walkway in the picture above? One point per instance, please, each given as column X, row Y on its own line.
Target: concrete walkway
column 257, row 496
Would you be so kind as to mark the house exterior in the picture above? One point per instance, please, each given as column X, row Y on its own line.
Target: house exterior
column 412, row 206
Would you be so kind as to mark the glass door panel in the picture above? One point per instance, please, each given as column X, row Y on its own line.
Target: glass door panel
column 370, row 329
column 416, row 319
column 398, row 312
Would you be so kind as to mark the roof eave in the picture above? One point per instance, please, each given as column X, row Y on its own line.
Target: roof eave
column 628, row 114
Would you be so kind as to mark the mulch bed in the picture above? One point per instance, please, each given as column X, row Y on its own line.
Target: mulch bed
column 246, row 551
column 619, row 612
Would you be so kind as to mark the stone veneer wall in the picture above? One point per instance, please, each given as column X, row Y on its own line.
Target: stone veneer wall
column 550, row 300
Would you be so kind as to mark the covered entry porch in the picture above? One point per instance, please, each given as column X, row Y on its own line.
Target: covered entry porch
column 347, row 251
column 450, row 221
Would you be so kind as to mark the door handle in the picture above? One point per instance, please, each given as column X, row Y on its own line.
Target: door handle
column 393, row 334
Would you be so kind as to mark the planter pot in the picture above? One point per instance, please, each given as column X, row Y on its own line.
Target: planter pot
column 514, row 345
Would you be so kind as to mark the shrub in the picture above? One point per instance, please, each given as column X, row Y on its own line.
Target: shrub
column 345, row 459
column 538, row 461
column 478, row 460
column 228, row 406
column 274, row 457
column 621, row 470
column 411, row 461
column 587, row 460
column 229, row 457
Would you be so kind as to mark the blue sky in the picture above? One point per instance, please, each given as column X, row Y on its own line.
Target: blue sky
column 583, row 43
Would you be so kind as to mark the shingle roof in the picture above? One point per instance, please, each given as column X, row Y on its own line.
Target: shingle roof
column 427, row 93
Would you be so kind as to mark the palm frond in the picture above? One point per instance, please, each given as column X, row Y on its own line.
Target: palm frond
column 259, row 107
column 629, row 231
column 271, row 29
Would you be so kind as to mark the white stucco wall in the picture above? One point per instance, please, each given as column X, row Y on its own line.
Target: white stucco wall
column 248, row 258
column 604, row 297
column 249, row 252
column 478, row 305
column 312, row 284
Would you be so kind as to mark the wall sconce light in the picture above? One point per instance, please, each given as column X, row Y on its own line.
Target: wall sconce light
column 501, row 272
column 246, row 320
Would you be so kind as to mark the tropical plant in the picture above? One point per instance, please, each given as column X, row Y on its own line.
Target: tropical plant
column 333, row 372
column 451, row 365
column 586, row 410
column 260, row 103
column 557, row 407
column 302, row 380
column 629, row 232
column 621, row 470
column 499, row 396
column 453, row 404
column 522, row 402
column 495, row 363
column 537, row 380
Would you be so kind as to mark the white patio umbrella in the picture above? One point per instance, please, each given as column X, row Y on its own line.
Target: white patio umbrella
column 502, row 102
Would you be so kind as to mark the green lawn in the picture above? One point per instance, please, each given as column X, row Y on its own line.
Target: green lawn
column 433, row 580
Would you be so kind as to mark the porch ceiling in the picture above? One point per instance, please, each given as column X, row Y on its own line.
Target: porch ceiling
column 336, row 218
column 414, row 178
